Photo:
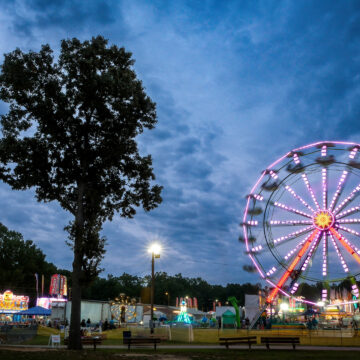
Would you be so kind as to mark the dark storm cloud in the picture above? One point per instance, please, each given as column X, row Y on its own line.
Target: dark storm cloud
column 237, row 85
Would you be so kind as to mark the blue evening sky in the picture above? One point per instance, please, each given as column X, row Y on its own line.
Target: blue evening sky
column 237, row 84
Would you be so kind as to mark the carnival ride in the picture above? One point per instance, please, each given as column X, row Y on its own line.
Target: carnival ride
column 300, row 221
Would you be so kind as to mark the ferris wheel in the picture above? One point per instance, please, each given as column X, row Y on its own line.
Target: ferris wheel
column 301, row 221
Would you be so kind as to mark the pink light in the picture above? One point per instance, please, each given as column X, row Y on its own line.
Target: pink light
column 290, row 222
column 351, row 231
column 343, row 263
column 348, row 212
column 338, row 190
column 354, row 248
column 348, row 221
column 293, row 193
column 324, row 187
column 308, row 257
column 345, row 201
column 256, row 248
column 293, row 251
column 258, row 197
column 308, row 186
column 353, row 153
column 290, row 209
column 296, row 159
column 324, row 295
column 252, row 222
column 271, row 271
column 273, row 174
column 293, row 234
column 294, row 288
column 324, row 267
column 257, row 266
column 323, row 150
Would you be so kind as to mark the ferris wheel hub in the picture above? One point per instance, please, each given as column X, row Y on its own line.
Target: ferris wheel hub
column 323, row 220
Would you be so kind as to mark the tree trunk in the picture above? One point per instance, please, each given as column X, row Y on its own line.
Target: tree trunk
column 75, row 335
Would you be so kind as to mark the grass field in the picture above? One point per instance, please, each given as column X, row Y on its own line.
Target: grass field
column 211, row 336
column 176, row 354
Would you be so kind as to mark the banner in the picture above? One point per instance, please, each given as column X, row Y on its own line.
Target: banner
column 12, row 303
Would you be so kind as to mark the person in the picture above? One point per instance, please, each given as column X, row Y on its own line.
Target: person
column 88, row 323
column 112, row 326
column 106, row 325
column 83, row 323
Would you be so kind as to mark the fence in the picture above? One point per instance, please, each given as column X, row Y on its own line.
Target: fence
column 11, row 334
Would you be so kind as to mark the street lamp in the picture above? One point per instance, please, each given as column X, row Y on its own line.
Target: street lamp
column 284, row 308
column 168, row 297
column 155, row 250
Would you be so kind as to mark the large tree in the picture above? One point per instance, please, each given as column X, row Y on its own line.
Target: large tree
column 70, row 133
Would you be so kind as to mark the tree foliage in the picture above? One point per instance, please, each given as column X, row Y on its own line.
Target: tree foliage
column 19, row 261
column 70, row 133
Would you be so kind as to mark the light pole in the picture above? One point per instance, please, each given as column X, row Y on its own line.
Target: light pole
column 168, row 297
column 155, row 254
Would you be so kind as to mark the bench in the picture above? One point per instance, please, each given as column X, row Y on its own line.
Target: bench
column 140, row 341
column 280, row 340
column 95, row 340
column 237, row 340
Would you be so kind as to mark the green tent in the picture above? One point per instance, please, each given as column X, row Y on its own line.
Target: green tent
column 228, row 319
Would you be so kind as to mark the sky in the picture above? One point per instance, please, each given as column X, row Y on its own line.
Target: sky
column 237, row 85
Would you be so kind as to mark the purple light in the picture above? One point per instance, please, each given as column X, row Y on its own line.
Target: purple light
column 293, row 234
column 338, row 190
column 353, row 248
column 309, row 255
column 308, row 186
column 294, row 288
column 343, row 263
column 290, row 209
column 323, row 150
column 258, row 197
column 324, row 187
column 345, row 201
column 324, row 267
column 256, row 248
column 271, row 271
column 348, row 221
column 252, row 222
column 324, row 295
column 290, row 222
column 353, row 153
column 273, row 174
column 351, row 231
column 291, row 252
column 293, row 193
column 296, row 159
column 348, row 212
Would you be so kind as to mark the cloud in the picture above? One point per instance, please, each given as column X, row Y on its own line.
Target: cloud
column 237, row 85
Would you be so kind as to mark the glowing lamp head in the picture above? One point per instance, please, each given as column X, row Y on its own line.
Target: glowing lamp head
column 155, row 249
column 323, row 220
column 320, row 303
column 284, row 306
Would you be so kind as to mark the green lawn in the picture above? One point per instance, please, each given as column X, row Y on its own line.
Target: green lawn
column 180, row 354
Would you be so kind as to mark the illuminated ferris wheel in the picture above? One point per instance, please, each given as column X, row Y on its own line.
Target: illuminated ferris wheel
column 300, row 221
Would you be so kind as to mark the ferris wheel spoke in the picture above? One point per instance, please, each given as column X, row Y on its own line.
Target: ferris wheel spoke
column 310, row 190
column 350, row 231
column 338, row 189
column 291, row 209
column 289, row 222
column 296, row 196
column 311, row 252
column 346, row 244
column 324, row 187
column 338, row 252
column 348, row 221
column 347, row 200
column 295, row 261
column 324, row 254
column 350, row 211
column 293, row 235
